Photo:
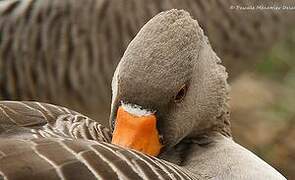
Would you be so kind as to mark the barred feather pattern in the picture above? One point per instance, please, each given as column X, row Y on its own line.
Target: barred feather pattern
column 65, row 52
column 28, row 120
column 58, row 158
column 43, row 141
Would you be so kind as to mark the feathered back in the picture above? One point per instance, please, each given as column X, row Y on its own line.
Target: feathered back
column 43, row 141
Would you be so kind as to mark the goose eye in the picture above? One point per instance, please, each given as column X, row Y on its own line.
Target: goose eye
column 181, row 94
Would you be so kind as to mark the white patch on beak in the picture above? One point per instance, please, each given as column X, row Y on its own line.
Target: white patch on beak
column 136, row 110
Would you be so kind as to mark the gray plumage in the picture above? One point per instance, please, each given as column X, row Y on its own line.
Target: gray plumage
column 43, row 141
column 66, row 51
column 169, row 51
column 27, row 120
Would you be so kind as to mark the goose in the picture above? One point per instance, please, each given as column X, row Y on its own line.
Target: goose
column 169, row 100
column 67, row 48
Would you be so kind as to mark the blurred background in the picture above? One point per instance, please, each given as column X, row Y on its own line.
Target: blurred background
column 263, row 107
column 64, row 52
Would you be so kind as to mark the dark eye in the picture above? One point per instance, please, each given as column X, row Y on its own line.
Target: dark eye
column 181, row 94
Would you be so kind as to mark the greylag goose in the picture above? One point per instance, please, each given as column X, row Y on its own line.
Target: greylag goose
column 169, row 100
column 67, row 48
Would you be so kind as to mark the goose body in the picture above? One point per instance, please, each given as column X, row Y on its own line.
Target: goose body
column 29, row 120
column 44, row 141
column 169, row 84
column 70, row 48
column 75, row 159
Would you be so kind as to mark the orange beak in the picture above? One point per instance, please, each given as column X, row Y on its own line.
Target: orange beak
column 139, row 133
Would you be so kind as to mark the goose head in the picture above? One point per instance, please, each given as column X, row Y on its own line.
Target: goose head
column 168, row 86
